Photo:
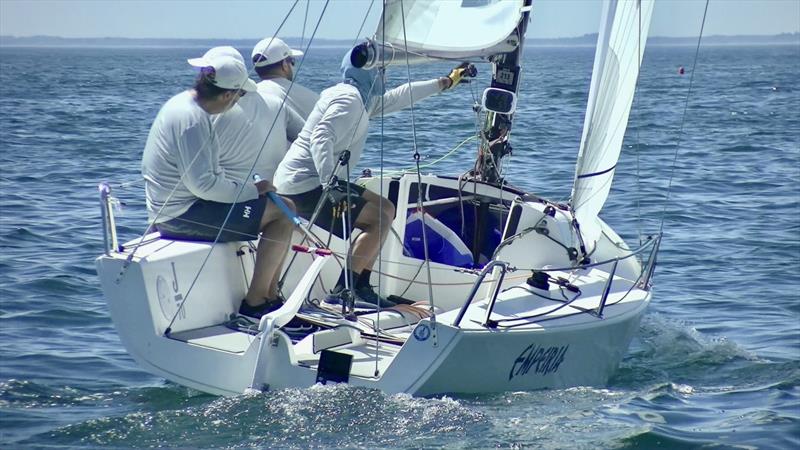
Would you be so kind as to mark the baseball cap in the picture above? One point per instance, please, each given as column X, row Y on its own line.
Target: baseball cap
column 224, row 70
column 224, row 50
column 272, row 50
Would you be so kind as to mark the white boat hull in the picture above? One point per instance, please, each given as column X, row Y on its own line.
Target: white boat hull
column 175, row 323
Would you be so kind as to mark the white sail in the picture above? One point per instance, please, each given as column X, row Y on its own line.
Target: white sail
column 620, row 47
column 451, row 28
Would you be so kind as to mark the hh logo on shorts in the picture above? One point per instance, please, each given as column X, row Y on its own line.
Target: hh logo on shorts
column 246, row 213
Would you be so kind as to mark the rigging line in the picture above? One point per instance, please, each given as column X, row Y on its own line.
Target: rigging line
column 683, row 120
column 481, row 60
column 638, row 125
column 461, row 204
column 372, row 2
column 200, row 270
column 285, row 18
column 305, row 21
column 380, row 181
column 482, row 135
column 479, row 111
column 230, row 211
column 350, row 239
column 127, row 184
column 352, row 138
column 151, row 224
column 347, row 219
column 338, row 166
column 633, row 286
column 412, row 280
column 306, row 236
column 436, row 161
column 420, row 204
column 291, row 84
column 366, row 106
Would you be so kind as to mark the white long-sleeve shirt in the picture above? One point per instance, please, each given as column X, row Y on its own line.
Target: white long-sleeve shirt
column 339, row 122
column 300, row 102
column 251, row 135
column 180, row 162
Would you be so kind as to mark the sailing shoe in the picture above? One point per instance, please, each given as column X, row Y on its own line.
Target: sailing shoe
column 367, row 294
column 400, row 300
column 257, row 311
column 337, row 297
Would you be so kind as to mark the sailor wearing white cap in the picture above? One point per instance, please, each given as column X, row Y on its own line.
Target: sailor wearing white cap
column 274, row 63
column 224, row 71
column 190, row 195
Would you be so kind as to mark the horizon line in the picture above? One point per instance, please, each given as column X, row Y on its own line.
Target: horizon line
column 791, row 33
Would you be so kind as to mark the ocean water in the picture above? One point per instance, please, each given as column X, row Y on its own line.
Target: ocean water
column 715, row 363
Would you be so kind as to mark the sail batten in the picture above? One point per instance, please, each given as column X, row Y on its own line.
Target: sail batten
column 620, row 48
column 451, row 28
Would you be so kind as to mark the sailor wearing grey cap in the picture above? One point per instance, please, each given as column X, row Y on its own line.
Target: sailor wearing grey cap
column 274, row 63
column 189, row 193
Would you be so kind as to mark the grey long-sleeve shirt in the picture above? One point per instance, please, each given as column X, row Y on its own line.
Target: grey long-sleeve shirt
column 339, row 122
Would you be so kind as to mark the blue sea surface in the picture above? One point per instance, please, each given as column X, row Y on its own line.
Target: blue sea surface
column 715, row 363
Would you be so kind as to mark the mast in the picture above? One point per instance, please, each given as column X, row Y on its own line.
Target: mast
column 506, row 71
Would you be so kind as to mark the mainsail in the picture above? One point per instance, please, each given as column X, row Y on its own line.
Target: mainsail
column 620, row 47
column 457, row 29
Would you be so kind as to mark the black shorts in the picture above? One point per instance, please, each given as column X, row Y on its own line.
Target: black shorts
column 203, row 220
column 333, row 208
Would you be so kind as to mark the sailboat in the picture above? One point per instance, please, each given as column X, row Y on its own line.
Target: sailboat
column 507, row 290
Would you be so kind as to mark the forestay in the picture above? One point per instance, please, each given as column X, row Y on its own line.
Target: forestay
column 451, row 28
column 620, row 47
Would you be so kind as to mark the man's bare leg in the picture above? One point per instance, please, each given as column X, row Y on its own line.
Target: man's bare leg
column 276, row 231
column 375, row 222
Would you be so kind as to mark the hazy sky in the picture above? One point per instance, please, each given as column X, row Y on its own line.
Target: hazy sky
column 252, row 19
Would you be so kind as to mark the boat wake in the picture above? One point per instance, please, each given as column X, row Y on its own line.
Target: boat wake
column 330, row 416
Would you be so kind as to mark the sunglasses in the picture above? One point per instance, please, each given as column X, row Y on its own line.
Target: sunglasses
column 239, row 93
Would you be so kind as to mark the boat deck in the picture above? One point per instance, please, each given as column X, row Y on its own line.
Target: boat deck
column 364, row 351
column 217, row 337
column 526, row 307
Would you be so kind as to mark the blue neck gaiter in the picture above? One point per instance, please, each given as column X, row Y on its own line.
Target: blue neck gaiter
column 368, row 82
